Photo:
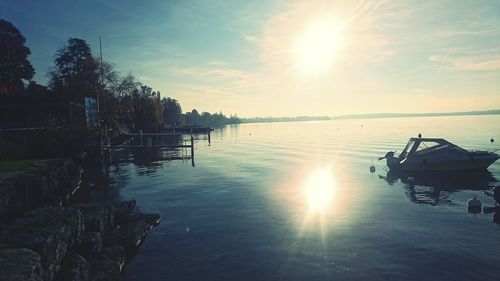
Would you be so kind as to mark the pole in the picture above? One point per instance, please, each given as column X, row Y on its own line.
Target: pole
column 102, row 70
column 192, row 151
column 209, row 142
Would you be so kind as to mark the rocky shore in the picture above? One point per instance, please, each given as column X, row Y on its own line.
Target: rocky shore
column 43, row 237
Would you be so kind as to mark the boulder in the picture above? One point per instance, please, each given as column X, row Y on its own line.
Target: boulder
column 74, row 268
column 116, row 254
column 45, row 183
column 98, row 217
column 91, row 244
column 123, row 210
column 50, row 232
column 20, row 265
column 107, row 266
column 131, row 234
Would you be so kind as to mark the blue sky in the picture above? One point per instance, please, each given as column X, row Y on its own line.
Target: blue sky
column 247, row 57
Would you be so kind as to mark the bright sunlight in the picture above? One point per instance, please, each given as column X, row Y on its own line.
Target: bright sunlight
column 318, row 46
column 320, row 190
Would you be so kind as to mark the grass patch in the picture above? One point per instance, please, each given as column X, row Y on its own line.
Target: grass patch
column 12, row 165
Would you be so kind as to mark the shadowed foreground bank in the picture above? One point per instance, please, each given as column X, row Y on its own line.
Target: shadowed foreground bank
column 51, row 235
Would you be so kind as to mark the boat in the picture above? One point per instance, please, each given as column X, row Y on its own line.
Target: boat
column 437, row 154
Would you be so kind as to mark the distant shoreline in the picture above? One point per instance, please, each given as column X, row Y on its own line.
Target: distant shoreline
column 365, row 116
column 403, row 115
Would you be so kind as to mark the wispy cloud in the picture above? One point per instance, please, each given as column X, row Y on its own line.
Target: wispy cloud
column 478, row 64
column 473, row 60
column 220, row 80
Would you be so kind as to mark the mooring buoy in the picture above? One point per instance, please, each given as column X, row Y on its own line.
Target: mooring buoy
column 492, row 140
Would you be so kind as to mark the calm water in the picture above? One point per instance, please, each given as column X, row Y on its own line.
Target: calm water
column 296, row 201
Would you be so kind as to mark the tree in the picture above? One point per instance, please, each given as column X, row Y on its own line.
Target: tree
column 14, row 64
column 172, row 112
column 75, row 73
column 35, row 89
column 147, row 108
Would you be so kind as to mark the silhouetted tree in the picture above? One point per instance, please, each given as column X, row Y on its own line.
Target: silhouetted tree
column 147, row 108
column 14, row 64
column 75, row 73
column 172, row 112
column 35, row 89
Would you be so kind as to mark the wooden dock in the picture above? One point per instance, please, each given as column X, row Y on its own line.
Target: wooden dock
column 145, row 141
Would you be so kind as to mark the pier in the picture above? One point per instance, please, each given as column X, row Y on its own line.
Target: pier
column 155, row 140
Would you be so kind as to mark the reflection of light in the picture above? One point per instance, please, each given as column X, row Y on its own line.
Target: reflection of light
column 319, row 190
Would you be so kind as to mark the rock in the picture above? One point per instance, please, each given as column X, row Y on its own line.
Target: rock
column 104, row 269
column 45, row 183
column 131, row 234
column 91, row 244
column 116, row 254
column 97, row 217
column 20, row 265
column 123, row 210
column 74, row 268
column 50, row 232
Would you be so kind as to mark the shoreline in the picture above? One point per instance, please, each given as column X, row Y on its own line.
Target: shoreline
column 57, row 225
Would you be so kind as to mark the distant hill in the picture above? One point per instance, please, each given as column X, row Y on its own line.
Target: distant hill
column 283, row 119
column 365, row 116
column 400, row 115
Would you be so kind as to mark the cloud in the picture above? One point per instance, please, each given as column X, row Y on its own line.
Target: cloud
column 216, row 79
column 476, row 61
column 478, row 64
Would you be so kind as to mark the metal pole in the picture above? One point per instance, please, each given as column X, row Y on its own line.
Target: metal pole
column 102, row 76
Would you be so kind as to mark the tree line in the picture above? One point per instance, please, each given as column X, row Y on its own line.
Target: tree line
column 125, row 103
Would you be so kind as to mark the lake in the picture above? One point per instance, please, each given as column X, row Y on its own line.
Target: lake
column 296, row 201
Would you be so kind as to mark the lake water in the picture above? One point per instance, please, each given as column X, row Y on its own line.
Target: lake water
column 296, row 201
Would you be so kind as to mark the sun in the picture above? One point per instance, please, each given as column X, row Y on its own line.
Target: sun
column 318, row 46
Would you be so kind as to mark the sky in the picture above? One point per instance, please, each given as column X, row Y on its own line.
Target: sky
column 284, row 58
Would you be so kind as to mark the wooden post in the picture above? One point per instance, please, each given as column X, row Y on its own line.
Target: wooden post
column 209, row 136
column 192, row 151
column 173, row 140
column 101, row 146
column 140, row 132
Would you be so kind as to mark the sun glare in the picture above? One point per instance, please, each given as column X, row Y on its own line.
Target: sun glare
column 318, row 46
column 319, row 190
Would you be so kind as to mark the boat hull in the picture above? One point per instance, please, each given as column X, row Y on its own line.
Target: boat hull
column 451, row 165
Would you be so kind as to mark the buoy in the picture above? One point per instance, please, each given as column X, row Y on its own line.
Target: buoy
column 372, row 169
column 419, row 135
column 492, row 140
column 474, row 205
column 410, row 179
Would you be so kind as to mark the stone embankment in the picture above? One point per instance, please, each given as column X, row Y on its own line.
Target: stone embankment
column 42, row 238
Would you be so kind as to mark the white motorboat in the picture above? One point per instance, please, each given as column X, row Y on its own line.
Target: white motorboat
column 436, row 154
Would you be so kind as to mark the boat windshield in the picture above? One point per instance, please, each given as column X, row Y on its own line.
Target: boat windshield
column 431, row 146
column 407, row 148
column 428, row 145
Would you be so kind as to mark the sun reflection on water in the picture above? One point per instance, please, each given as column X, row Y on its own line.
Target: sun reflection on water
column 320, row 190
